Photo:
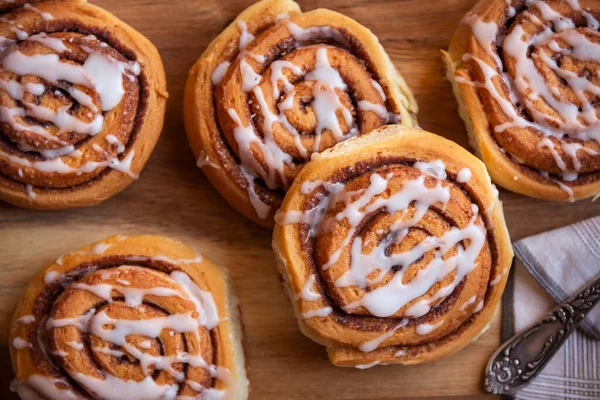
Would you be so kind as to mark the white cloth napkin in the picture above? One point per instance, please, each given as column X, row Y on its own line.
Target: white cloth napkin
column 549, row 268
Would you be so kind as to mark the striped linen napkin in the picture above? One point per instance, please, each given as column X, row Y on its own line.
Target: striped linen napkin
column 550, row 267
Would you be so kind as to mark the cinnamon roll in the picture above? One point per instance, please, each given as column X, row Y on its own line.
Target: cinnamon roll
column 393, row 248
column 139, row 317
column 526, row 77
column 82, row 100
column 278, row 85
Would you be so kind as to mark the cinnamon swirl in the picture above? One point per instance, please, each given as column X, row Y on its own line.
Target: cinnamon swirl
column 140, row 317
column 82, row 99
column 526, row 77
column 393, row 248
column 279, row 85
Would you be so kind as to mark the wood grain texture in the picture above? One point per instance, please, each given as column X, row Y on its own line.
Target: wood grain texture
column 173, row 198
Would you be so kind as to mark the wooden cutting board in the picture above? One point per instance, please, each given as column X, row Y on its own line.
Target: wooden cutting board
column 172, row 197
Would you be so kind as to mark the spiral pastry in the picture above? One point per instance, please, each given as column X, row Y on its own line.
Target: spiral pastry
column 526, row 77
column 140, row 317
column 393, row 248
column 279, row 85
column 82, row 99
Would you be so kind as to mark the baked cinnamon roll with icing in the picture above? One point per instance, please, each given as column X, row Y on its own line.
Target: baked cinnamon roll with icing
column 139, row 317
column 393, row 248
column 279, row 85
column 82, row 100
column 526, row 77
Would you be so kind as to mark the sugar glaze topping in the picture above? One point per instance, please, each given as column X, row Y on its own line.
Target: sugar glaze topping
column 49, row 98
column 277, row 92
column 567, row 120
column 199, row 312
column 455, row 252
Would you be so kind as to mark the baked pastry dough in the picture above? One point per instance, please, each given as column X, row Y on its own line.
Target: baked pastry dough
column 278, row 85
column 82, row 101
column 393, row 248
column 139, row 317
column 526, row 80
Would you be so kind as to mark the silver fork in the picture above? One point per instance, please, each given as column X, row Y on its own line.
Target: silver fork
column 519, row 360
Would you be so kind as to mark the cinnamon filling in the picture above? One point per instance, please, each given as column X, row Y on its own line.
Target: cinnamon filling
column 123, row 318
column 536, row 69
column 72, row 102
column 287, row 93
column 396, row 246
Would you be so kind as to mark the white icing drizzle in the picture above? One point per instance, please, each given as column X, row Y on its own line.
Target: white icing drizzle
column 321, row 312
column 435, row 168
column 249, row 78
column 464, row 175
column 326, row 105
column 304, row 34
column 201, row 298
column 380, row 110
column 307, row 294
column 30, row 192
column 114, row 388
column 112, row 139
column 374, row 344
column 479, row 307
column 496, row 280
column 274, row 157
column 262, row 209
column 203, row 160
column 17, row 29
column 579, row 123
column 100, row 248
column 219, row 72
column 424, row 329
column 115, row 331
column 133, row 296
column 35, row 385
column 45, row 15
column 20, row 343
column 75, row 345
column 245, row 36
column 25, row 319
column 59, row 166
column 468, row 303
column 323, row 72
column 106, row 350
column 99, row 72
column 367, row 366
column 370, row 268
column 400, row 353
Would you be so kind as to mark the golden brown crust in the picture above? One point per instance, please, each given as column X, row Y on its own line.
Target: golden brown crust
column 146, row 263
column 516, row 157
column 211, row 129
column 391, row 152
column 135, row 123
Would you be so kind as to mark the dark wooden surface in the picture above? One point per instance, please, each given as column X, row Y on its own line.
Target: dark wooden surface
column 172, row 197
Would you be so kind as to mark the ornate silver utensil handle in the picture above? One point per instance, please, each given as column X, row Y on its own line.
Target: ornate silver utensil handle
column 522, row 358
